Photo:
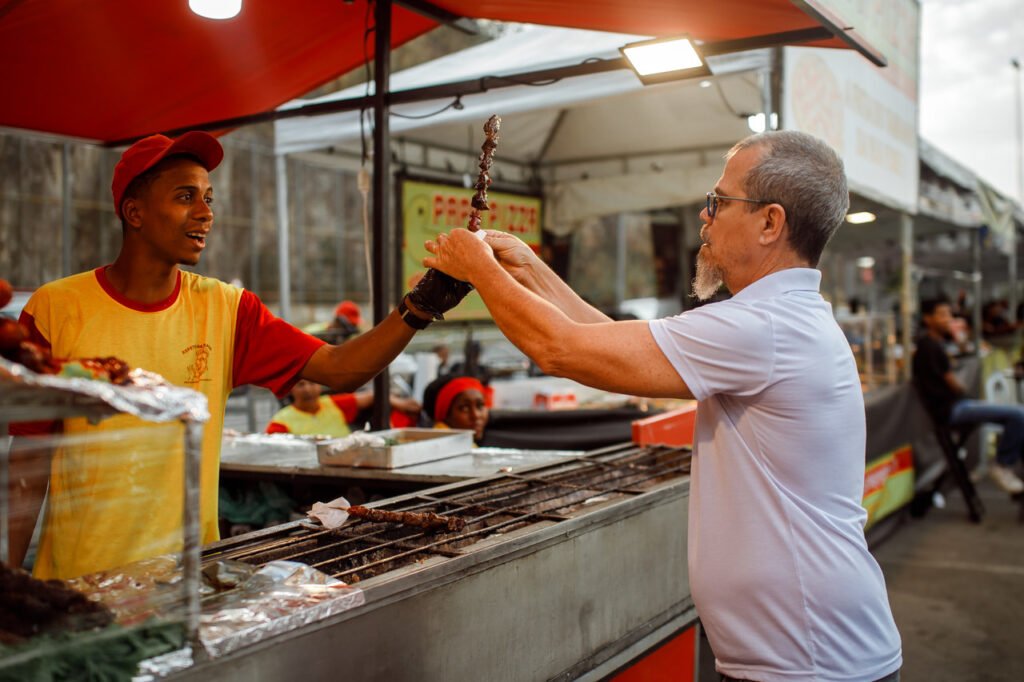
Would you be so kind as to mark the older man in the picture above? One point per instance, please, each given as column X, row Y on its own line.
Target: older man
column 779, row 568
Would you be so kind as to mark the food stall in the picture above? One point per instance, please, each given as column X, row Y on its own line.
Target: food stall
column 587, row 552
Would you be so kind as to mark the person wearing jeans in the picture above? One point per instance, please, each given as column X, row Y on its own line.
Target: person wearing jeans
column 944, row 396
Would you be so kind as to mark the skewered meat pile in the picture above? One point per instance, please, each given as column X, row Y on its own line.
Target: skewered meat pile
column 30, row 607
column 428, row 520
column 16, row 346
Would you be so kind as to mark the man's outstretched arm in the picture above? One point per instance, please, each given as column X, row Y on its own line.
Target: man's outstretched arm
column 528, row 269
column 613, row 356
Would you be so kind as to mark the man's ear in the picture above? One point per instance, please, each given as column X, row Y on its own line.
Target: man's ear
column 774, row 224
column 131, row 212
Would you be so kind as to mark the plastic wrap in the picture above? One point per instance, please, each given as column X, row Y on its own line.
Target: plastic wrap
column 280, row 597
column 149, row 396
column 242, row 604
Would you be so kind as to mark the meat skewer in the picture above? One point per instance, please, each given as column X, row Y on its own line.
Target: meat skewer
column 483, row 179
column 426, row 520
column 432, row 277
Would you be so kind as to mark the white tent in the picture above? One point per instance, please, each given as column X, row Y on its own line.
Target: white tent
column 600, row 144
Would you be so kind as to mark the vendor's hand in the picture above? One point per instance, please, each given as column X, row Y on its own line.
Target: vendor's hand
column 460, row 253
column 435, row 294
column 512, row 253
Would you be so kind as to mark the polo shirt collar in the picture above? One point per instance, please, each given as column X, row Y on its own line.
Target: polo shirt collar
column 781, row 282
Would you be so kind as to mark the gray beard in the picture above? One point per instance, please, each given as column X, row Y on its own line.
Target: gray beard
column 708, row 280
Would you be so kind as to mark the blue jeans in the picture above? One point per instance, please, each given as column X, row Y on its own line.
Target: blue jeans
column 1011, row 417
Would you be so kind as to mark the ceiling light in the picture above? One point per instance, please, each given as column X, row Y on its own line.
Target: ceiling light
column 756, row 122
column 705, row 83
column 665, row 59
column 216, row 9
column 860, row 217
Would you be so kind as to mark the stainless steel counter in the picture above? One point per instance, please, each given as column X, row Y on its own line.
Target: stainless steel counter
column 288, row 456
column 572, row 595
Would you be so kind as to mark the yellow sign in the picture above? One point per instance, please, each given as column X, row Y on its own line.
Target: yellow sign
column 428, row 209
column 888, row 483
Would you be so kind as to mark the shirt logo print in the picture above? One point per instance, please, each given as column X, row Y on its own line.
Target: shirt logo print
column 198, row 370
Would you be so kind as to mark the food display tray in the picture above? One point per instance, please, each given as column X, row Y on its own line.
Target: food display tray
column 404, row 447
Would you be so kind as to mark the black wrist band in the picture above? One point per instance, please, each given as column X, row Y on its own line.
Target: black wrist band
column 410, row 319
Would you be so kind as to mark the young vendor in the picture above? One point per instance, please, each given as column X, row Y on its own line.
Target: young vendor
column 196, row 332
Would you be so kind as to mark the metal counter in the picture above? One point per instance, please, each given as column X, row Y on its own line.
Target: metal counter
column 569, row 595
column 286, row 457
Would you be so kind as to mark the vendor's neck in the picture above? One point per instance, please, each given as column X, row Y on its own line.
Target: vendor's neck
column 142, row 280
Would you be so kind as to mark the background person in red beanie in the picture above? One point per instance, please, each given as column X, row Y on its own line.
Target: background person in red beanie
column 346, row 323
column 196, row 332
column 457, row 402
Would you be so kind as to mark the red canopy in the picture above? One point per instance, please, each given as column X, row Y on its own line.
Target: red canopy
column 114, row 69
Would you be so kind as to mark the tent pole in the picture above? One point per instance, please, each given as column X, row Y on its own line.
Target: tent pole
column 283, row 272
column 620, row 262
column 907, row 291
column 65, row 205
column 382, row 242
column 976, row 317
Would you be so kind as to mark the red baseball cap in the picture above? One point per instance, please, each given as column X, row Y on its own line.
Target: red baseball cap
column 149, row 151
column 350, row 311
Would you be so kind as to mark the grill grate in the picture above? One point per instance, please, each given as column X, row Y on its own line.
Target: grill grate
column 363, row 549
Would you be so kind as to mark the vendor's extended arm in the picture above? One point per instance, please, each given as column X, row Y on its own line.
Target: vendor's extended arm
column 614, row 356
column 350, row 365
column 528, row 269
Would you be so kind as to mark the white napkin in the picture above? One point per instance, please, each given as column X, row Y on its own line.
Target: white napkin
column 331, row 514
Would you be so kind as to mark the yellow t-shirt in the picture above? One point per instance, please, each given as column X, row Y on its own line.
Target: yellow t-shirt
column 112, row 500
column 328, row 420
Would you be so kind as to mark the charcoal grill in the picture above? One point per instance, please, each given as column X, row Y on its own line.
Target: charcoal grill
column 563, row 571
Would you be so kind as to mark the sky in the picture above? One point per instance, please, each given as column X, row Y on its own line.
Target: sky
column 967, row 85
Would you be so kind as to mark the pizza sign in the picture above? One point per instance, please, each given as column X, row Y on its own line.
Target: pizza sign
column 450, row 209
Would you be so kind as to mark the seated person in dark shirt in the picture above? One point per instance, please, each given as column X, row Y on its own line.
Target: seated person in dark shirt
column 944, row 396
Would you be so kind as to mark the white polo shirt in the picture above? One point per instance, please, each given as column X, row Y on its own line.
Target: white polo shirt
column 779, row 569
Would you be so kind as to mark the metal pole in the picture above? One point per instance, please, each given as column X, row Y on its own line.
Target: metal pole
column 5, row 490
column 1012, row 265
column 254, row 232
column 907, row 291
column 976, row 316
column 620, row 262
column 65, row 205
column 191, row 540
column 283, row 265
column 382, row 242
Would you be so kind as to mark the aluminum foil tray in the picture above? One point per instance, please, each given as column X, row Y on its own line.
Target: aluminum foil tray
column 401, row 447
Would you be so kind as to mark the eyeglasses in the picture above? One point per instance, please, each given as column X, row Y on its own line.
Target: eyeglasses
column 713, row 199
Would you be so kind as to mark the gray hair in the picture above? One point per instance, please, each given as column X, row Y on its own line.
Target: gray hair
column 806, row 177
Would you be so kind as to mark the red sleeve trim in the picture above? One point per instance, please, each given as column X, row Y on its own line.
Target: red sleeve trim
column 34, row 335
column 43, row 428
column 402, row 420
column 277, row 427
column 36, row 428
column 346, row 402
column 269, row 352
